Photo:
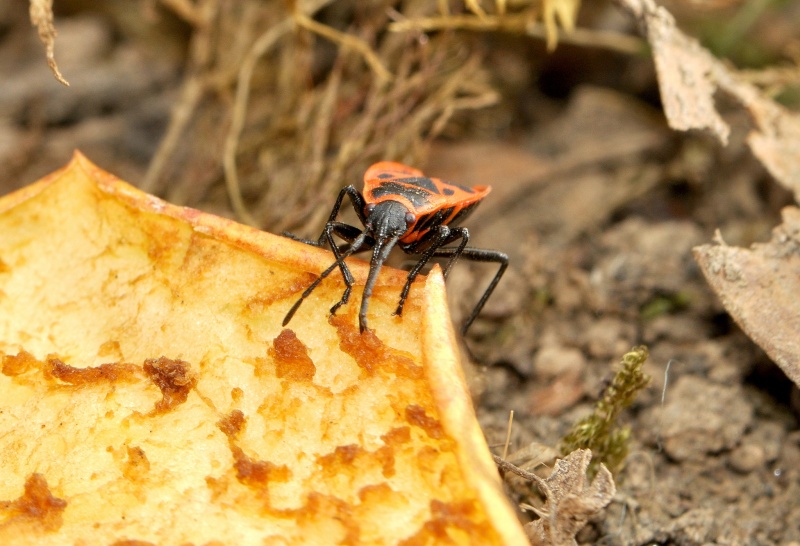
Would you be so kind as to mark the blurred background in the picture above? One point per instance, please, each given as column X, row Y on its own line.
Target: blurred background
column 261, row 110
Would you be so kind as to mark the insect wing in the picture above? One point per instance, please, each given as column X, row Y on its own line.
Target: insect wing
column 388, row 180
column 449, row 204
column 388, row 170
column 456, row 194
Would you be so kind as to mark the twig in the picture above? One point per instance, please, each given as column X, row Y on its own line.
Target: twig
column 659, row 445
column 179, row 119
column 514, row 469
column 345, row 40
column 540, row 483
column 186, row 11
column 508, row 434
column 523, row 24
column 586, row 37
column 262, row 45
column 475, row 7
column 191, row 93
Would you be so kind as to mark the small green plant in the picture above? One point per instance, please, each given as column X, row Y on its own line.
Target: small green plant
column 664, row 304
column 600, row 431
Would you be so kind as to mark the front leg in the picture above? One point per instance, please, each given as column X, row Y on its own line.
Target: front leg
column 346, row 275
column 358, row 241
column 356, row 199
column 444, row 235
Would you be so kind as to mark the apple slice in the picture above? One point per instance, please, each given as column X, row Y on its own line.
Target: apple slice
column 149, row 393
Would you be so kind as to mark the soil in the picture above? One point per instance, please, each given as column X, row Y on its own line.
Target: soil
column 598, row 205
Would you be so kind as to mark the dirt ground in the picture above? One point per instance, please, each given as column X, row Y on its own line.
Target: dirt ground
column 598, row 204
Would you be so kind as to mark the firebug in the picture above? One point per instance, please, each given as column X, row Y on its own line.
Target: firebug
column 400, row 205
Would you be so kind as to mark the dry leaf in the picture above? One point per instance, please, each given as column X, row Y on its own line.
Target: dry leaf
column 760, row 288
column 683, row 67
column 41, row 13
column 689, row 77
column 570, row 501
column 149, row 393
column 777, row 142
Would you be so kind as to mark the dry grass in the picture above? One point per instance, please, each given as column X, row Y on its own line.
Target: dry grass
column 293, row 107
column 287, row 102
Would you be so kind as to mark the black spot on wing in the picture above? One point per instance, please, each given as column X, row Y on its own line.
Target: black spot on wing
column 417, row 196
column 384, row 176
column 449, row 188
column 421, row 182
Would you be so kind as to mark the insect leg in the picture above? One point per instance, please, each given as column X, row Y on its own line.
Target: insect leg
column 477, row 255
column 348, row 233
column 444, row 235
column 358, row 203
column 307, row 293
column 355, row 246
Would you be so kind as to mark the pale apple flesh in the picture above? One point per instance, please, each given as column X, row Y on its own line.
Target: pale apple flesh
column 148, row 391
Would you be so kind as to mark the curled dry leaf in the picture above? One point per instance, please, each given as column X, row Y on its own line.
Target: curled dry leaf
column 148, row 392
column 570, row 500
column 41, row 13
column 684, row 70
column 689, row 76
column 759, row 287
column 776, row 143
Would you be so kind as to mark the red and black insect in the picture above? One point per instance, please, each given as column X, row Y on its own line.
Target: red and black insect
column 401, row 205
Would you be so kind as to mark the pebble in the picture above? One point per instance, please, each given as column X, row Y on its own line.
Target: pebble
column 746, row 458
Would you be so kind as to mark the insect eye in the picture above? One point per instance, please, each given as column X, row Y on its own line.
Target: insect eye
column 410, row 218
column 369, row 208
